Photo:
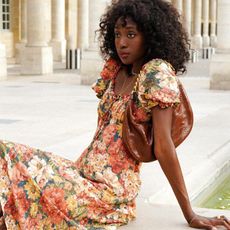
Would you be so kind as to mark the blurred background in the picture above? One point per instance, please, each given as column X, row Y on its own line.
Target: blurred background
column 38, row 37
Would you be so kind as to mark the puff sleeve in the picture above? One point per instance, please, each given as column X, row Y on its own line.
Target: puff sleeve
column 158, row 85
column 108, row 72
column 100, row 87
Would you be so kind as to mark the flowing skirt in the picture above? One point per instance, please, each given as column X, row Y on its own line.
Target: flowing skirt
column 39, row 190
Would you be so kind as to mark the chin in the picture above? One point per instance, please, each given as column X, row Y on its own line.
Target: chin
column 126, row 62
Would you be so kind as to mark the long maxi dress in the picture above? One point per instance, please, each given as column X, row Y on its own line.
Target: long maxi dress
column 39, row 190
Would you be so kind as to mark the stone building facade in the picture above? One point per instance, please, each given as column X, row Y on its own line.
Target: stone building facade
column 35, row 33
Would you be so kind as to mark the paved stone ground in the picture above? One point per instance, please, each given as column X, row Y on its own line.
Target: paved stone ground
column 55, row 113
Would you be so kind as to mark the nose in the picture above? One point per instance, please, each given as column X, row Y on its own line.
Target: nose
column 123, row 43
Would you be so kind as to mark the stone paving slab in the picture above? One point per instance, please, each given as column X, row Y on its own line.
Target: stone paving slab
column 165, row 217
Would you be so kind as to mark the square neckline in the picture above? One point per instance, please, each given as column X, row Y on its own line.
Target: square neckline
column 113, row 85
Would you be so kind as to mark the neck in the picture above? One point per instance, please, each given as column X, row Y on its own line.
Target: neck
column 136, row 67
column 131, row 73
column 134, row 73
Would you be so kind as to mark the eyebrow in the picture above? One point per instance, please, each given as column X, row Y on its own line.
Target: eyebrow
column 127, row 27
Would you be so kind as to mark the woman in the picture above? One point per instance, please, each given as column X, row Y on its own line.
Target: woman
column 38, row 190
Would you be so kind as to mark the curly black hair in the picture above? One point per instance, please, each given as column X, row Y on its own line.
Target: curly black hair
column 160, row 24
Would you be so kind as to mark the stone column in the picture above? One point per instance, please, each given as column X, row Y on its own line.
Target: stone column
column 197, row 39
column 187, row 16
column 206, row 40
column 23, row 32
column 72, row 17
column 96, row 9
column 213, row 12
column 58, row 30
column 179, row 5
column 23, row 21
column 71, row 34
column 3, row 71
column 83, row 24
column 91, row 63
column 37, row 57
column 220, row 63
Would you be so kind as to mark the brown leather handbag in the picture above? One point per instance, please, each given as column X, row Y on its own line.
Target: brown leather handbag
column 138, row 138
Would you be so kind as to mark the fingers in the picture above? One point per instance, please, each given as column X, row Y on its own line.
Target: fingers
column 208, row 227
column 202, row 224
column 209, row 223
column 226, row 219
column 223, row 221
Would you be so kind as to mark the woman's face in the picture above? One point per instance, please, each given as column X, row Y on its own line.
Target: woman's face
column 129, row 42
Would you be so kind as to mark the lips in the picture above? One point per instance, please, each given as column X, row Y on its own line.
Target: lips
column 124, row 55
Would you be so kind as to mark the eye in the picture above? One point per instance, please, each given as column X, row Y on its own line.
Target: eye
column 116, row 34
column 131, row 35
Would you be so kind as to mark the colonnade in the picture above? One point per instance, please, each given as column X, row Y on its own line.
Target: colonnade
column 55, row 25
column 220, row 63
column 58, row 24
column 84, row 18
column 37, row 56
column 60, row 28
column 199, row 18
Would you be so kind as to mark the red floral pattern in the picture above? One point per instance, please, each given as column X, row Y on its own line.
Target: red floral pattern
column 39, row 190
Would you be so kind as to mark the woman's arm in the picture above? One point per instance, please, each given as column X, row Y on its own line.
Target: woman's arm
column 166, row 155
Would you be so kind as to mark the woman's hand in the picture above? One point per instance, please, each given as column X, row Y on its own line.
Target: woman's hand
column 202, row 222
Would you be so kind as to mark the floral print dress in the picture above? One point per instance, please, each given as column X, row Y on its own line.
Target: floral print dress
column 39, row 190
